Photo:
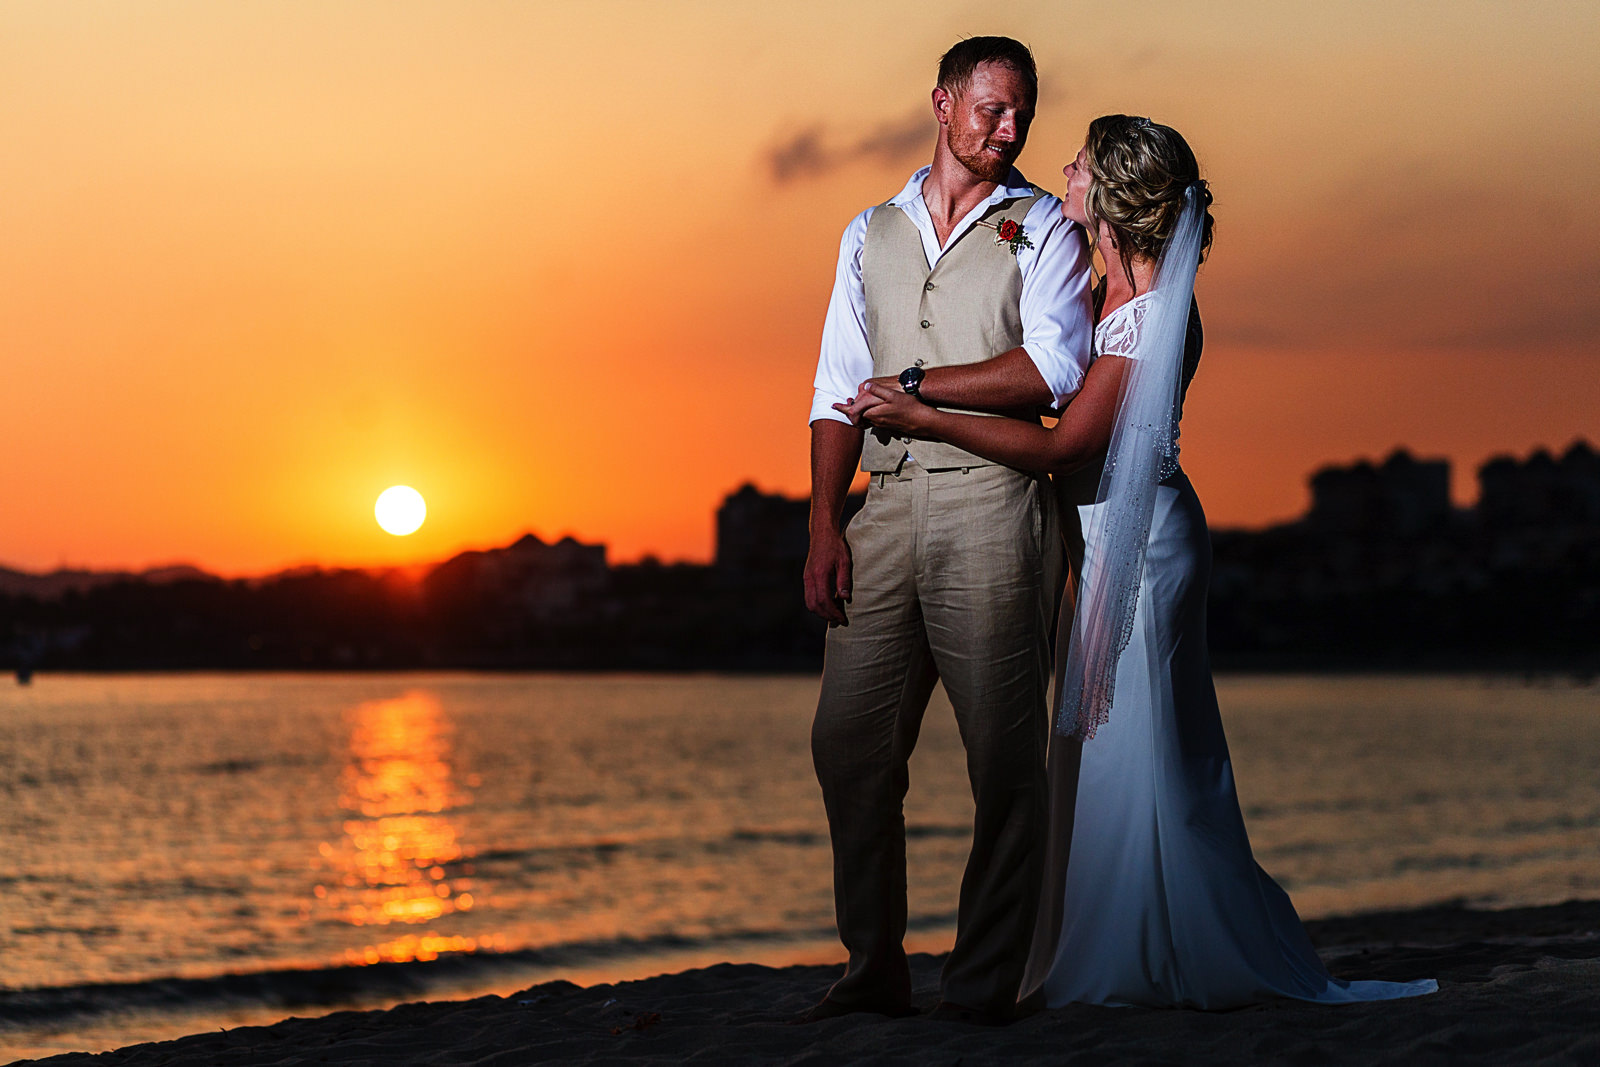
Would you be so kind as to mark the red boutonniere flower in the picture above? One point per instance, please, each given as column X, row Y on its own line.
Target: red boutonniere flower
column 1010, row 233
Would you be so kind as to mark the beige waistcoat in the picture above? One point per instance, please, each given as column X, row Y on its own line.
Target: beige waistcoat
column 964, row 310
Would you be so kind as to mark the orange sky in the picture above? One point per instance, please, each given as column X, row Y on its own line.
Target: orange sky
column 563, row 267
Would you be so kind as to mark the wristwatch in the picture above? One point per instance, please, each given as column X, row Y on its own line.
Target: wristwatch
column 911, row 381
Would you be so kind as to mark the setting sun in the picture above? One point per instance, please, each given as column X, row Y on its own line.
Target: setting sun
column 400, row 510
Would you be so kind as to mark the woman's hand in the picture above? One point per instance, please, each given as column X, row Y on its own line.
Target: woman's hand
column 864, row 399
column 889, row 408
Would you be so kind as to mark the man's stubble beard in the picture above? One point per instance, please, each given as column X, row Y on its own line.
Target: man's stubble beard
column 988, row 168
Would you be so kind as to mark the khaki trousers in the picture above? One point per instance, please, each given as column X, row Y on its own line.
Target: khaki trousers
column 954, row 576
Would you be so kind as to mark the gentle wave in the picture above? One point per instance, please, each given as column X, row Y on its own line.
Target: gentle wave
column 540, row 857
column 342, row 984
column 181, row 846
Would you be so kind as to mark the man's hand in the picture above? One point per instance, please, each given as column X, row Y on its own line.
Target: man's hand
column 828, row 577
column 835, row 451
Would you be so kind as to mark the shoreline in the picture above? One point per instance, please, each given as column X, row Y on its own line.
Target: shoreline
column 1581, row 673
column 1517, row 985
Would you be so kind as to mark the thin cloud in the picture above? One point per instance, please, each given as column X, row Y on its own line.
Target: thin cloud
column 814, row 152
column 801, row 156
column 899, row 141
column 1413, row 259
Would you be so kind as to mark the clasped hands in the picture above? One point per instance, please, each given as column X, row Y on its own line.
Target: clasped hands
column 883, row 406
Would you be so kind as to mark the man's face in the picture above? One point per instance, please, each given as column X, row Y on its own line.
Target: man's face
column 987, row 124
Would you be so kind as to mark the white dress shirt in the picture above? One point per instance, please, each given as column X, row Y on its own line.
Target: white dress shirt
column 1055, row 304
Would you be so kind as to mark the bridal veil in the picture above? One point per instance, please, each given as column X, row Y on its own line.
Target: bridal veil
column 1142, row 452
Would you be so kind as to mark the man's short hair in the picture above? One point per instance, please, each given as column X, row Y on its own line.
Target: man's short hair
column 957, row 65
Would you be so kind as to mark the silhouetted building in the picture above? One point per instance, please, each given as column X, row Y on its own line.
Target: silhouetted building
column 1542, row 490
column 767, row 533
column 761, row 531
column 1402, row 496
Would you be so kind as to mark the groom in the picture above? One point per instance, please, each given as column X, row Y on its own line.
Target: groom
column 949, row 570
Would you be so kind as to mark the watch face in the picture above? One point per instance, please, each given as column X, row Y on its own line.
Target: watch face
column 910, row 378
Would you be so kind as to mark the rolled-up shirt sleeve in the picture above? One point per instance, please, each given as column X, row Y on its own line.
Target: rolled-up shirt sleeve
column 846, row 360
column 1057, row 322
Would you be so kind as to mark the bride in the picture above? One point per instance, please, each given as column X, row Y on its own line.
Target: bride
column 1152, row 894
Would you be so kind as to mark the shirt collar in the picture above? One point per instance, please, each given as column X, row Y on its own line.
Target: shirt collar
column 1013, row 187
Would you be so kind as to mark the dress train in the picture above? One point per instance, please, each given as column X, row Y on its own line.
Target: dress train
column 1152, row 895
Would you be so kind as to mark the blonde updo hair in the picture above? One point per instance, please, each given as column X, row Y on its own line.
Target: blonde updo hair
column 1138, row 172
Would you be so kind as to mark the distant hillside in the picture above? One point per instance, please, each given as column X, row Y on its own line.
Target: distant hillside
column 1383, row 572
column 527, row 553
column 58, row 583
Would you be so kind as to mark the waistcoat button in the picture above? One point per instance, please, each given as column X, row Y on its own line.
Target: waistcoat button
column 926, row 324
column 929, row 287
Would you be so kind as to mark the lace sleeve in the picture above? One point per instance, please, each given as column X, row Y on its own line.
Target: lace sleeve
column 1118, row 333
column 1121, row 334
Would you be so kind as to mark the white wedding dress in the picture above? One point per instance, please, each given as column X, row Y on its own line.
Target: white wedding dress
column 1152, row 895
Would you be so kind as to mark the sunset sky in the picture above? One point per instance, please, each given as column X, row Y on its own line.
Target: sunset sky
column 563, row 267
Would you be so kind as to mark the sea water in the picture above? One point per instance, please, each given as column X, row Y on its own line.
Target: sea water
column 187, row 849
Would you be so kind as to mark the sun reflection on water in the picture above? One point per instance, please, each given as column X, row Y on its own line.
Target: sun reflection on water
column 399, row 860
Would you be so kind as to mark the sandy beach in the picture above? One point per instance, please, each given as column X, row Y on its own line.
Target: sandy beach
column 1517, row 986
